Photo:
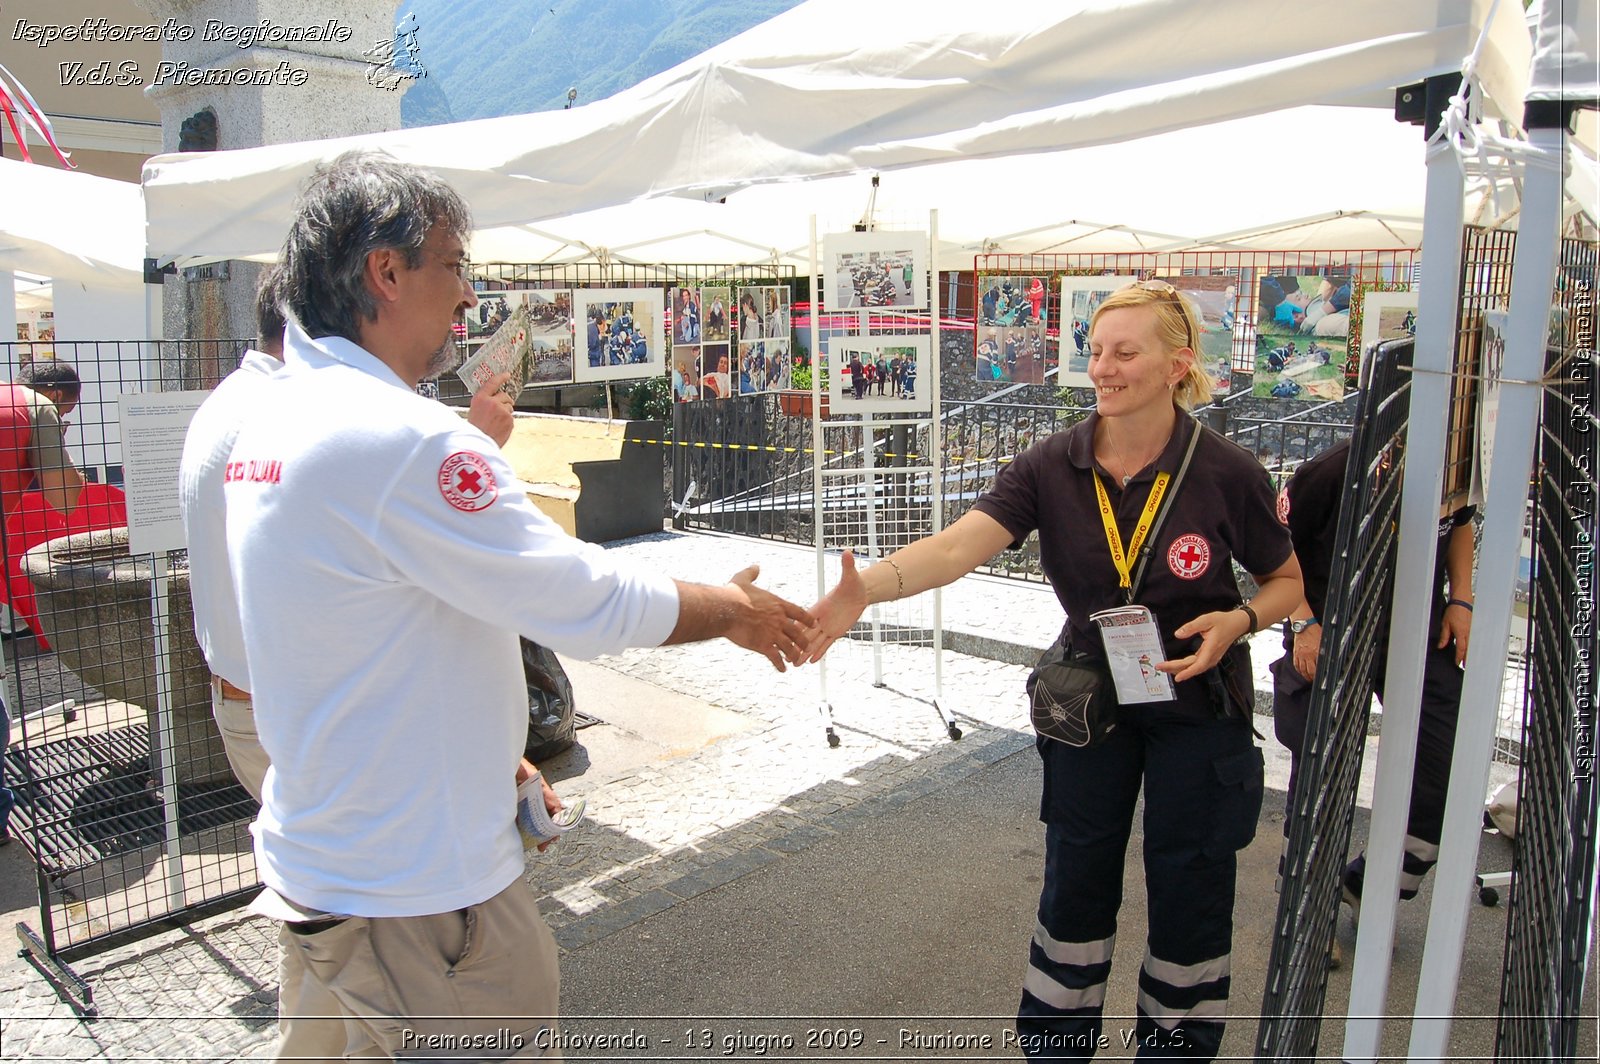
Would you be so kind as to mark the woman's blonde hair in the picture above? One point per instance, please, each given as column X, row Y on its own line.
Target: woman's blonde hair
column 1177, row 326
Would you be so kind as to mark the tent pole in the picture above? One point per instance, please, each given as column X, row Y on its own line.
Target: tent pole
column 1438, row 304
column 1532, row 280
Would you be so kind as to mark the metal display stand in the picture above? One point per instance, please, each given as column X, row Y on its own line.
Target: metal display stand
column 876, row 508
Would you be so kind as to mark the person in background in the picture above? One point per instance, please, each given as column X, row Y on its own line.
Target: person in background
column 1193, row 756
column 33, row 454
column 1309, row 507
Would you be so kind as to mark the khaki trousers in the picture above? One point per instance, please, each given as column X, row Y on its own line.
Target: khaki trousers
column 236, row 720
column 478, row 984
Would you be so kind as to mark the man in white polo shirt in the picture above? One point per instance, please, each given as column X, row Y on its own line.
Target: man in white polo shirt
column 206, row 447
column 386, row 560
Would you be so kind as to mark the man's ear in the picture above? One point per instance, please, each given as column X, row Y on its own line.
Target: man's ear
column 382, row 273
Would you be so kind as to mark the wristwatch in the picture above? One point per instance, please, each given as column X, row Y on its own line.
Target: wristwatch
column 1299, row 626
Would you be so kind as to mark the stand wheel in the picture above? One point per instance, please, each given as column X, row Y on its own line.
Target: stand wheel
column 833, row 740
column 1489, row 896
column 954, row 732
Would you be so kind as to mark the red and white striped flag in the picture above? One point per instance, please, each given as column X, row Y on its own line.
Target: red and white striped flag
column 15, row 102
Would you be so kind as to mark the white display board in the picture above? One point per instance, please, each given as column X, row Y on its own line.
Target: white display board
column 153, row 427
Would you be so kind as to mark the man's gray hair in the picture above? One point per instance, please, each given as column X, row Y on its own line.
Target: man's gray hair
column 361, row 202
column 269, row 307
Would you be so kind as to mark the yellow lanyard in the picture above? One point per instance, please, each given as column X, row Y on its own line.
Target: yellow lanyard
column 1119, row 557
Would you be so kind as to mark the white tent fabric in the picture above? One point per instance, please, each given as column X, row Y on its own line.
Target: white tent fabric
column 70, row 226
column 1306, row 179
column 1566, row 61
column 836, row 87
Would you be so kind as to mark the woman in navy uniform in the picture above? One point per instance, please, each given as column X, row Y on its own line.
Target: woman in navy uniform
column 1194, row 756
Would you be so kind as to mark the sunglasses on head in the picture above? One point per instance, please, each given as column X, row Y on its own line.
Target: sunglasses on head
column 1166, row 289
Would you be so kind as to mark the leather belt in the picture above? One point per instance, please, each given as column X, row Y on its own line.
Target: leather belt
column 227, row 690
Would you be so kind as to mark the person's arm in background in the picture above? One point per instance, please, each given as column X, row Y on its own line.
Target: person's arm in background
column 59, row 479
column 1458, row 561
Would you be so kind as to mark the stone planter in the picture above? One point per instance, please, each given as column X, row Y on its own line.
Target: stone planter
column 94, row 605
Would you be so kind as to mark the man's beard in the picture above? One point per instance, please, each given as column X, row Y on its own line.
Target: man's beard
column 442, row 361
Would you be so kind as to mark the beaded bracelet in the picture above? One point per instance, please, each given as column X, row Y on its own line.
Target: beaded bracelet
column 900, row 578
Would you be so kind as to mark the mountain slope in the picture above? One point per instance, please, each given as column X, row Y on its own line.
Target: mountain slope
column 486, row 58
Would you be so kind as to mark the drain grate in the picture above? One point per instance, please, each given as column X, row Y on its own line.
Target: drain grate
column 87, row 798
column 581, row 720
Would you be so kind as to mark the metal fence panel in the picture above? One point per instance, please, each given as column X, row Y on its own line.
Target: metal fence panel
column 1550, row 924
column 119, row 853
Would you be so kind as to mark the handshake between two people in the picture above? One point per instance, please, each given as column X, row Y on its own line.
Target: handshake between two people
column 756, row 619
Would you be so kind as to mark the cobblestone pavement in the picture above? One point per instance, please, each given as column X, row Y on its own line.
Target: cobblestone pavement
column 655, row 835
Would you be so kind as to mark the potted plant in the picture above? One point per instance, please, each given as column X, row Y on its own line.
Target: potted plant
column 795, row 401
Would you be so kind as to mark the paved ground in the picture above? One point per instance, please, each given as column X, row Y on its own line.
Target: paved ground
column 735, row 866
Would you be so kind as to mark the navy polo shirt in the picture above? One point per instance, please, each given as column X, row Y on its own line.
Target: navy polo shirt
column 1310, row 504
column 1224, row 510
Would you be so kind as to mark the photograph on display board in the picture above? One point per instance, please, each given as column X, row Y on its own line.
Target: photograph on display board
column 1491, row 366
column 1012, row 300
column 550, row 337
column 716, row 372
column 716, row 306
column 764, row 366
column 879, row 270
column 493, row 310
column 775, row 313
column 1080, row 296
column 1215, row 301
column 749, row 322
column 620, row 334
column 880, row 373
column 1384, row 316
column 685, row 372
column 687, row 315
column 1012, row 356
column 1302, row 323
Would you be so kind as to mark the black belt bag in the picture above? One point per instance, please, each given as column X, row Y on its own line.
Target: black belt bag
column 1071, row 697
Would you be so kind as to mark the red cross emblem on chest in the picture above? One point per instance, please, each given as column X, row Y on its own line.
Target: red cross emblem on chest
column 1189, row 556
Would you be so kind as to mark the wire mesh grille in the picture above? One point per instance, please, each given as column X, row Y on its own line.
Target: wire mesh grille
column 1552, row 898
column 125, row 837
column 1360, row 589
column 1320, row 817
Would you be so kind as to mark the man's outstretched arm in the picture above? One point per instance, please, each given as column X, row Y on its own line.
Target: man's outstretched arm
column 745, row 615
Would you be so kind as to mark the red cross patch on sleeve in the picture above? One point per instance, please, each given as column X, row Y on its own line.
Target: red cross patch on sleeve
column 467, row 482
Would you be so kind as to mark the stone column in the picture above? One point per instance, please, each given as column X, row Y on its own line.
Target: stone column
column 313, row 89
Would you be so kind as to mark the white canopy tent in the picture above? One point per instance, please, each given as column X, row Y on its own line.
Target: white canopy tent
column 1358, row 184
column 71, row 226
column 835, row 88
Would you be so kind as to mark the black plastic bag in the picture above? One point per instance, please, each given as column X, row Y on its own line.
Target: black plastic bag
column 551, row 728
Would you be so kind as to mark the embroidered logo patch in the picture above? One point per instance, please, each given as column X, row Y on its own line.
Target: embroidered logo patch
column 467, row 482
column 1283, row 507
column 1189, row 556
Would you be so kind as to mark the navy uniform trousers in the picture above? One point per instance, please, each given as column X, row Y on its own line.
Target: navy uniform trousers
column 1202, row 780
column 1430, row 781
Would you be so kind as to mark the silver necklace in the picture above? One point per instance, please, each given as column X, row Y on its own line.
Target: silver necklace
column 1126, row 475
